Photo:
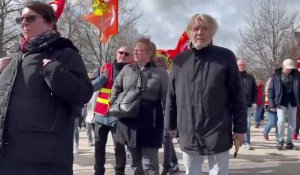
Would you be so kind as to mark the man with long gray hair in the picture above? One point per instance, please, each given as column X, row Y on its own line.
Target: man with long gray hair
column 205, row 99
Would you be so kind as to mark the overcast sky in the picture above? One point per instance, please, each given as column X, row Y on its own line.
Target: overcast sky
column 165, row 20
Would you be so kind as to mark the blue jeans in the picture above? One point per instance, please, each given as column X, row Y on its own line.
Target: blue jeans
column 258, row 113
column 249, row 109
column 218, row 163
column 291, row 113
column 272, row 123
column 297, row 124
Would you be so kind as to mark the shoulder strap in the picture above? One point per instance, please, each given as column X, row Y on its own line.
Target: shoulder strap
column 140, row 82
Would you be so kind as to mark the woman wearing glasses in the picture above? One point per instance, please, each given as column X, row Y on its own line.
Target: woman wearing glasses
column 40, row 91
column 143, row 134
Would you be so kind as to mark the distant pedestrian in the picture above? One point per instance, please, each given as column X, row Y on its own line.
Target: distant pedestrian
column 296, row 133
column 283, row 93
column 250, row 95
column 259, row 104
column 272, row 116
column 170, row 163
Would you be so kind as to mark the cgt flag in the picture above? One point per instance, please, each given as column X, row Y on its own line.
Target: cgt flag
column 108, row 23
column 58, row 6
column 100, row 7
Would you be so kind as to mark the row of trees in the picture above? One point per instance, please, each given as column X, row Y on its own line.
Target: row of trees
column 71, row 25
column 8, row 10
column 268, row 37
column 267, row 33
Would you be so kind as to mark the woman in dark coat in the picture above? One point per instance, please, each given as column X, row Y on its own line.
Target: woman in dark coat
column 41, row 90
column 143, row 135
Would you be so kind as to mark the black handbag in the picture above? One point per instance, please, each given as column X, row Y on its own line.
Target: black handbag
column 127, row 104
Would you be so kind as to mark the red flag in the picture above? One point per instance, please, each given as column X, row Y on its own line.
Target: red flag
column 58, row 6
column 298, row 63
column 182, row 45
column 100, row 7
column 109, row 25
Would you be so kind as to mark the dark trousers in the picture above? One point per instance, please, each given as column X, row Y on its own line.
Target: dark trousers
column 169, row 152
column 9, row 166
column 144, row 161
column 297, row 124
column 101, row 133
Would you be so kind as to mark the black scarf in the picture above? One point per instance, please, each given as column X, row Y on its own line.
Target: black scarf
column 38, row 41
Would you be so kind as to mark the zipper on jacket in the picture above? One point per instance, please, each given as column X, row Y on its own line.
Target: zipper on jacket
column 194, row 103
column 200, row 72
column 202, row 84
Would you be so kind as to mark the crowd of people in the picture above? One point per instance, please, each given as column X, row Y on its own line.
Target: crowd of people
column 205, row 96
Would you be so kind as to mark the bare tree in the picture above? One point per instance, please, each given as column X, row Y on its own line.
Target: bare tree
column 8, row 32
column 268, row 30
column 87, row 37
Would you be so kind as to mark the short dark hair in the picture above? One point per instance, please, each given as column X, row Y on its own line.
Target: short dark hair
column 43, row 9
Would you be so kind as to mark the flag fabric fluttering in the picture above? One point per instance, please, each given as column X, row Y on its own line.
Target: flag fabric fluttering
column 58, row 6
column 107, row 23
column 182, row 45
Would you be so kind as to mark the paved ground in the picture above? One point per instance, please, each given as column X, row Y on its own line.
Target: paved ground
column 265, row 159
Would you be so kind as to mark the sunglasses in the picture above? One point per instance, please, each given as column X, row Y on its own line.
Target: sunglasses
column 29, row 19
column 125, row 53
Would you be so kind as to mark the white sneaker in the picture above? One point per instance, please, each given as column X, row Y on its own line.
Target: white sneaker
column 248, row 147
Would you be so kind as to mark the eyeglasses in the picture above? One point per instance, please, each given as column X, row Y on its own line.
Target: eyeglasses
column 122, row 52
column 29, row 18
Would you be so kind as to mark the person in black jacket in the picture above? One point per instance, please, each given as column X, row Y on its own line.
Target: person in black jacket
column 205, row 99
column 250, row 94
column 41, row 90
column 283, row 94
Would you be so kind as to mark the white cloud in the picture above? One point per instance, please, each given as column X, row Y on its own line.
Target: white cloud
column 165, row 20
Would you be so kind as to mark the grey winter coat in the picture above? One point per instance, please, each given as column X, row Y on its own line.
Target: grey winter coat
column 147, row 129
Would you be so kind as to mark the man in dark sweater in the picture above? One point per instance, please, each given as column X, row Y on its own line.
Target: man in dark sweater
column 283, row 94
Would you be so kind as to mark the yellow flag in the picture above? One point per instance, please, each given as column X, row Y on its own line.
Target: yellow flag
column 100, row 7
